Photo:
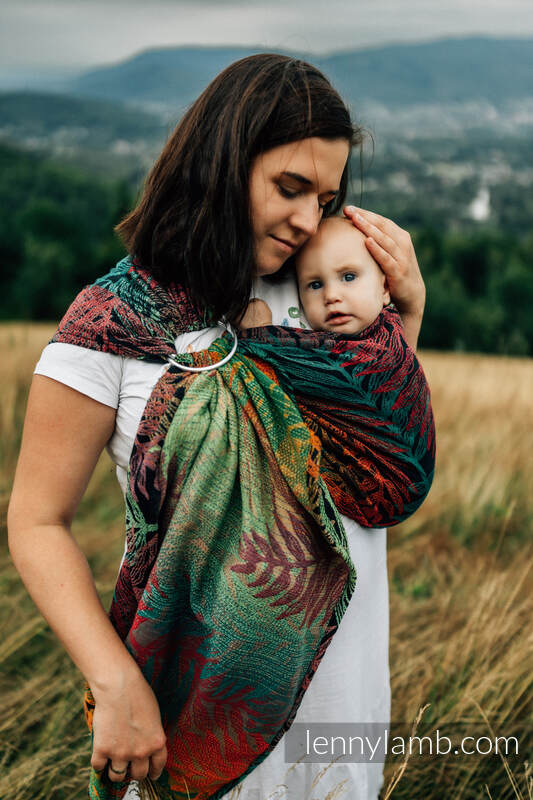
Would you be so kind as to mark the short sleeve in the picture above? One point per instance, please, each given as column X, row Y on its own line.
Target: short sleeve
column 95, row 374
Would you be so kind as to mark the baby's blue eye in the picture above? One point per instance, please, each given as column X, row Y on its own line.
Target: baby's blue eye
column 315, row 284
column 349, row 276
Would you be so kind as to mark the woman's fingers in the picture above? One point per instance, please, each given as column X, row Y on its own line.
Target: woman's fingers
column 384, row 224
column 117, row 771
column 385, row 232
column 98, row 760
column 157, row 763
column 139, row 769
column 386, row 242
column 383, row 256
column 392, row 248
column 127, row 730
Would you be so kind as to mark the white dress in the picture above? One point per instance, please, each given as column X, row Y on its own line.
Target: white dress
column 351, row 684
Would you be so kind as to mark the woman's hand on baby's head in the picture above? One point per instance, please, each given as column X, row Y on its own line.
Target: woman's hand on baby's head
column 258, row 313
column 392, row 248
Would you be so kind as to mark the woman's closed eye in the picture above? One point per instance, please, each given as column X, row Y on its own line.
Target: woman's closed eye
column 291, row 194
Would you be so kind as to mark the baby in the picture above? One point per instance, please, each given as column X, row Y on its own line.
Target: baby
column 341, row 287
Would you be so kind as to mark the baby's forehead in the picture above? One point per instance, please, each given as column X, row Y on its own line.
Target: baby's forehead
column 330, row 232
column 336, row 222
column 337, row 226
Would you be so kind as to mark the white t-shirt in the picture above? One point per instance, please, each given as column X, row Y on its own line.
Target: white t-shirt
column 352, row 680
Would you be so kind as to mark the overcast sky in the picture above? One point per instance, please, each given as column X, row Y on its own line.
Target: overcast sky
column 83, row 33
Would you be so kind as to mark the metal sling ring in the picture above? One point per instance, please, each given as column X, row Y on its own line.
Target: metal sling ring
column 172, row 359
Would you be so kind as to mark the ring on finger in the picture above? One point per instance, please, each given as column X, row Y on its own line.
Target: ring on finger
column 115, row 771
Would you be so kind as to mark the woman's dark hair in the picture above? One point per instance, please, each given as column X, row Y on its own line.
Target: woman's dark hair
column 192, row 224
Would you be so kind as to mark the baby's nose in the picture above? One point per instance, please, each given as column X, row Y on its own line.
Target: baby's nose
column 331, row 293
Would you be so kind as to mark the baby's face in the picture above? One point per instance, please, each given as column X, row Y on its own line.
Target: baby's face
column 341, row 287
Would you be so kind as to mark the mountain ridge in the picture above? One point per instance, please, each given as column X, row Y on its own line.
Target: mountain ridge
column 452, row 69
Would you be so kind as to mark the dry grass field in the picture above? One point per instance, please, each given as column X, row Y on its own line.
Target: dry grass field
column 460, row 579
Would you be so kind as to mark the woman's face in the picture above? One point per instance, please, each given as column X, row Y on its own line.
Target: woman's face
column 288, row 187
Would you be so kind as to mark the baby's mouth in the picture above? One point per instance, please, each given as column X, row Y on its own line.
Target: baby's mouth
column 338, row 316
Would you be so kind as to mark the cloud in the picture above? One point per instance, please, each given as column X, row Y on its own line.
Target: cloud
column 90, row 32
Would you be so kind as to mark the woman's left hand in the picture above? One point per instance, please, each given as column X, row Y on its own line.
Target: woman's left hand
column 392, row 248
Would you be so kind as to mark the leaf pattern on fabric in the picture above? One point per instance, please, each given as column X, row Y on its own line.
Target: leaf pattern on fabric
column 237, row 571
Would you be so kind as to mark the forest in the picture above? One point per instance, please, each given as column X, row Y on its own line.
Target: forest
column 56, row 235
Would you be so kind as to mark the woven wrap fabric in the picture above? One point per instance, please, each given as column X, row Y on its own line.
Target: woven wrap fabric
column 237, row 570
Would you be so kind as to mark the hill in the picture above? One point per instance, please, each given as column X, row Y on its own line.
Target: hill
column 441, row 88
column 91, row 121
column 454, row 70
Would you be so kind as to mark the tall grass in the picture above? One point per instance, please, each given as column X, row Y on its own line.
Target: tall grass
column 460, row 578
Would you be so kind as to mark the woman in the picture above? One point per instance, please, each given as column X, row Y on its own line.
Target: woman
column 242, row 183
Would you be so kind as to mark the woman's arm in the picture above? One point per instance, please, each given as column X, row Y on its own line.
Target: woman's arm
column 393, row 249
column 64, row 434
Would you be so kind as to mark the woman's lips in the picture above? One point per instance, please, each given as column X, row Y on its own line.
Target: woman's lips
column 287, row 247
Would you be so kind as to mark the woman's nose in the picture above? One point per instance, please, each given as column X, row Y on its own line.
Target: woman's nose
column 306, row 217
